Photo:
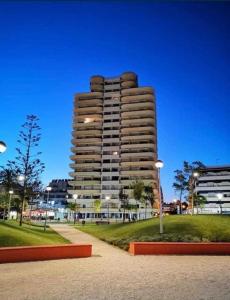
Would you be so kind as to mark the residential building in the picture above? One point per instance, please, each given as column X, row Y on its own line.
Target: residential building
column 214, row 184
column 114, row 141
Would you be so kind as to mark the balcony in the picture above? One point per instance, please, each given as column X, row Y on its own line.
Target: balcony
column 85, row 165
column 127, row 182
column 137, row 114
column 85, row 149
column 144, row 130
column 86, row 174
column 125, row 139
column 137, row 106
column 214, row 178
column 80, row 192
column 138, row 122
column 137, row 91
column 88, row 96
column 138, row 173
column 222, row 188
column 88, row 141
column 90, row 125
column 88, row 103
column 86, row 157
column 83, row 118
column 88, row 110
column 137, row 99
column 95, row 182
column 150, row 155
column 139, row 146
column 90, row 132
column 125, row 164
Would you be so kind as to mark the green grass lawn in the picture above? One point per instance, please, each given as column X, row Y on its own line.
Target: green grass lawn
column 11, row 234
column 176, row 228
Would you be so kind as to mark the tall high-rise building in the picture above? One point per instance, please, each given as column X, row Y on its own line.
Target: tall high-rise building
column 114, row 139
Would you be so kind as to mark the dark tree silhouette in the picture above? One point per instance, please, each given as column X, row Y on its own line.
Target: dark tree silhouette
column 27, row 162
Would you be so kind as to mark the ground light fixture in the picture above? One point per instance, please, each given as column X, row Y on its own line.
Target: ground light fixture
column 3, row 147
column 48, row 189
column 159, row 164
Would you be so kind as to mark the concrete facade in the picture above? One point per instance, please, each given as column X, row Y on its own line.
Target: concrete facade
column 114, row 139
column 214, row 180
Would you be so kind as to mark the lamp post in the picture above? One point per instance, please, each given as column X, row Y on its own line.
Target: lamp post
column 220, row 196
column 3, row 147
column 195, row 176
column 47, row 199
column 75, row 196
column 22, row 181
column 159, row 164
column 9, row 204
column 107, row 199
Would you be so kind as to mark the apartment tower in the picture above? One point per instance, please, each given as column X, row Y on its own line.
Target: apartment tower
column 114, row 139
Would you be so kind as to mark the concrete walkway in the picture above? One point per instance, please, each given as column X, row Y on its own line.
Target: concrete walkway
column 114, row 274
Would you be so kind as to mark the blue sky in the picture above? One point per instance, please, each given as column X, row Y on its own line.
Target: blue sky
column 49, row 50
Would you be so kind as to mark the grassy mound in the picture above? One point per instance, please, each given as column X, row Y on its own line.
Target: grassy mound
column 185, row 228
column 11, row 234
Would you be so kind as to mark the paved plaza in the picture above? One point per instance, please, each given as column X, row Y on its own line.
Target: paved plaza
column 114, row 274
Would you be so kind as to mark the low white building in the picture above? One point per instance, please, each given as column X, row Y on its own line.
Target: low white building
column 213, row 183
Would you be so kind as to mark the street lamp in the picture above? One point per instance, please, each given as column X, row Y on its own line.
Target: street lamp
column 195, row 176
column 220, row 196
column 2, row 147
column 107, row 199
column 159, row 164
column 47, row 199
column 75, row 196
column 22, row 181
column 9, row 204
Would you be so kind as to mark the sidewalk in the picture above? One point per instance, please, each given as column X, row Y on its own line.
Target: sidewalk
column 100, row 248
column 113, row 274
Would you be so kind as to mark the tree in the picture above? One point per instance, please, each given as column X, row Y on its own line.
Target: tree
column 123, row 197
column 73, row 207
column 199, row 201
column 183, row 177
column 137, row 190
column 3, row 203
column 97, row 205
column 7, row 183
column 148, row 196
column 27, row 162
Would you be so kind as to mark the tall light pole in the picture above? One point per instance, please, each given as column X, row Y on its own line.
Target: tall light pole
column 195, row 176
column 107, row 199
column 3, row 147
column 47, row 199
column 159, row 164
column 220, row 196
column 9, row 204
column 75, row 196
column 22, row 181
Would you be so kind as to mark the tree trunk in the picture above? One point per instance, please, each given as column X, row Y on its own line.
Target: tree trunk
column 145, row 209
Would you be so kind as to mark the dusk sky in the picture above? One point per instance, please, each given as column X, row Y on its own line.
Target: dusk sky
column 49, row 51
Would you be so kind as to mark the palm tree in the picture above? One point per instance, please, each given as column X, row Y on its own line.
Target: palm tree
column 137, row 190
column 73, row 207
column 148, row 196
column 123, row 197
column 199, row 200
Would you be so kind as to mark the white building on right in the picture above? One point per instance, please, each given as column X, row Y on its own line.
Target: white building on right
column 213, row 183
